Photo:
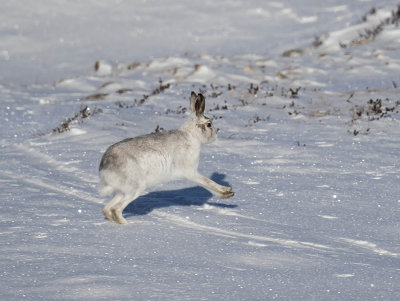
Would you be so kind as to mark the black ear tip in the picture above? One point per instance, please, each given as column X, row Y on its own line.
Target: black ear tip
column 193, row 94
column 201, row 96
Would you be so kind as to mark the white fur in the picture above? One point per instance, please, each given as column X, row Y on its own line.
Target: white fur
column 130, row 166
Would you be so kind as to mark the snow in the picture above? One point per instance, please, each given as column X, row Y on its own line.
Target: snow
column 306, row 100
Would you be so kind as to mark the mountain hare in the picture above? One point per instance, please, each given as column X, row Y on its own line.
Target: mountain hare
column 130, row 166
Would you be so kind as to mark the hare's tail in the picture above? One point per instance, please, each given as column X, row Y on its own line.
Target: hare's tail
column 104, row 188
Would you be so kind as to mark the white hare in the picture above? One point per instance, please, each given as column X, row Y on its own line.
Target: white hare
column 130, row 166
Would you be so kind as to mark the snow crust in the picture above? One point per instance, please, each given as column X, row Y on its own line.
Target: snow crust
column 306, row 100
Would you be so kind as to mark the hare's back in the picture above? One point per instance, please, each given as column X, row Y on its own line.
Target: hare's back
column 142, row 147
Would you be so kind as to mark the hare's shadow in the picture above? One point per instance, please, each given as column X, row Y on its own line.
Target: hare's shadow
column 193, row 196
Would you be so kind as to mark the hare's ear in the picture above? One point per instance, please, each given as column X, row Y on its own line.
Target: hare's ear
column 193, row 98
column 200, row 105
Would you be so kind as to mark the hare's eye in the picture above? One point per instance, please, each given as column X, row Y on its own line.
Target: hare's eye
column 209, row 124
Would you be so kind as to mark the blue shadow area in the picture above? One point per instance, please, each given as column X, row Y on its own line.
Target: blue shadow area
column 193, row 196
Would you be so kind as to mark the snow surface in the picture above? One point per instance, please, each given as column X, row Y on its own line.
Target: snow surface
column 306, row 100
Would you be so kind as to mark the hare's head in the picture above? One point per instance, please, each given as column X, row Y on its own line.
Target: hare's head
column 199, row 125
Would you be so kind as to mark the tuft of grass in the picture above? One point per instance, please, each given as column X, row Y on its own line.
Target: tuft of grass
column 84, row 113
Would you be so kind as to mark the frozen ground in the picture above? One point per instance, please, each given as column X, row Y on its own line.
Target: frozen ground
column 306, row 99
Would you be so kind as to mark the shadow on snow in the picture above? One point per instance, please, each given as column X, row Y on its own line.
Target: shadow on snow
column 193, row 196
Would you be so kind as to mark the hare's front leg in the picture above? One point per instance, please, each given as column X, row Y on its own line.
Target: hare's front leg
column 223, row 192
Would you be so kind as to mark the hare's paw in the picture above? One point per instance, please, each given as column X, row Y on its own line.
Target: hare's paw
column 226, row 189
column 122, row 221
column 117, row 217
column 227, row 194
column 107, row 213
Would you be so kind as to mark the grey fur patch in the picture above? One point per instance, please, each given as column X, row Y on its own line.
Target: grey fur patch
column 136, row 149
column 202, row 126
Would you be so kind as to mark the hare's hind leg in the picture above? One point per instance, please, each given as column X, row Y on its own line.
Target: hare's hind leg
column 119, row 207
column 107, row 208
